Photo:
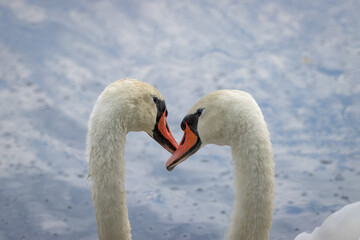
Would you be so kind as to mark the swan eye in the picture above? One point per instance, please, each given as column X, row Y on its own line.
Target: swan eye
column 183, row 125
column 155, row 99
column 199, row 111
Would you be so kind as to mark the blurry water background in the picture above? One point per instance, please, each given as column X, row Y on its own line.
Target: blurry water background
column 299, row 59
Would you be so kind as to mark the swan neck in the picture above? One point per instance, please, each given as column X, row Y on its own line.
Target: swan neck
column 254, row 190
column 105, row 149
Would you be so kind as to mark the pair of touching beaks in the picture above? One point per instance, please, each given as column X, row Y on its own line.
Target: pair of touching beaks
column 189, row 144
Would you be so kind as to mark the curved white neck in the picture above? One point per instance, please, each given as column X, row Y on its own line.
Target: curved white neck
column 106, row 143
column 254, row 189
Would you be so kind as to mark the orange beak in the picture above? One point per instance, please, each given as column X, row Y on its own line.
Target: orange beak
column 190, row 144
column 163, row 136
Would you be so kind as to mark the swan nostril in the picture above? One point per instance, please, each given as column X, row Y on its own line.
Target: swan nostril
column 183, row 140
column 167, row 127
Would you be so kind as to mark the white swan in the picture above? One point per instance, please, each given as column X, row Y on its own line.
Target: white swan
column 341, row 225
column 231, row 117
column 124, row 106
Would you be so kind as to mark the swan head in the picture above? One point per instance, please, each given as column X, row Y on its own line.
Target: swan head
column 136, row 106
column 218, row 118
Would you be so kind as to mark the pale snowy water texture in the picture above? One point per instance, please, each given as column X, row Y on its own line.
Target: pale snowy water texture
column 299, row 59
